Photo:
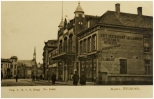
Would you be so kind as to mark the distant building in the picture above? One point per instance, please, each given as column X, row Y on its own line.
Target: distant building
column 50, row 45
column 6, row 68
column 27, row 68
column 39, row 69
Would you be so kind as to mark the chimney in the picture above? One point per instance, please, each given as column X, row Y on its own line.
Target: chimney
column 117, row 8
column 139, row 10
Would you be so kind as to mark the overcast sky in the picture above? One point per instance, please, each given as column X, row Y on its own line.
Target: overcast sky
column 25, row 25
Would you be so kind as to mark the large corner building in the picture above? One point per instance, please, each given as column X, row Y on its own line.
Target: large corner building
column 118, row 45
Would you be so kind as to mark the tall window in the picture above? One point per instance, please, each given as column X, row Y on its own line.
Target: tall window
column 65, row 45
column 147, row 67
column 94, row 46
column 84, row 48
column 70, row 43
column 89, row 44
column 60, row 47
column 146, row 44
column 81, row 47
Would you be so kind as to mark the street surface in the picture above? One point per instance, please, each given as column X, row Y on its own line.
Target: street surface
column 28, row 82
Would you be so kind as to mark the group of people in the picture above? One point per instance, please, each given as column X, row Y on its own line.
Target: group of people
column 53, row 78
column 76, row 79
column 82, row 78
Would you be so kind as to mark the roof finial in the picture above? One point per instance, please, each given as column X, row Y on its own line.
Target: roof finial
column 62, row 10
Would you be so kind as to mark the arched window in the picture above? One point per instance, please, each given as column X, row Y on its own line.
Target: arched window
column 65, row 44
column 60, row 47
column 70, row 47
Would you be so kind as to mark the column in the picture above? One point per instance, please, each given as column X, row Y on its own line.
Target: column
column 79, row 68
column 97, row 67
column 66, row 72
column 63, row 70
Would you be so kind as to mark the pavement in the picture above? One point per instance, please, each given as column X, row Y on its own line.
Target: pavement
column 28, row 82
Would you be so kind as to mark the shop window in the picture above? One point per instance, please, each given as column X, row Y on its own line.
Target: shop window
column 147, row 67
column 123, row 66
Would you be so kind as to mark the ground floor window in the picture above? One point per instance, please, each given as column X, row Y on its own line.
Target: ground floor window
column 123, row 66
column 147, row 67
column 89, row 68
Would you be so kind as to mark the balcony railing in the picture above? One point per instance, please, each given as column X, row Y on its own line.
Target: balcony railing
column 64, row 50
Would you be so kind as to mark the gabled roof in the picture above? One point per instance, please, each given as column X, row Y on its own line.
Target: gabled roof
column 127, row 19
column 28, row 63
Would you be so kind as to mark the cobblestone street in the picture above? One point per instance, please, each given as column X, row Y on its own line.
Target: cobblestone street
column 28, row 82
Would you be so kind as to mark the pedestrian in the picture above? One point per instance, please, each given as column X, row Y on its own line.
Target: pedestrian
column 53, row 78
column 83, row 79
column 1, row 75
column 75, row 78
column 41, row 76
column 33, row 78
column 94, row 80
column 16, row 78
column 99, row 82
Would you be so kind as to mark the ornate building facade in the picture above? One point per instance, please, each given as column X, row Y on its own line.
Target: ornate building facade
column 118, row 45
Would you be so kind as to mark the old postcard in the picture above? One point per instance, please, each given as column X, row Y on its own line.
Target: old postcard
column 77, row 49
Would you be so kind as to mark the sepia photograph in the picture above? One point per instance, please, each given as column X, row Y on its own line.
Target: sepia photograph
column 88, row 48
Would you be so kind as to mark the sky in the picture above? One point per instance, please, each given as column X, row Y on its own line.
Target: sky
column 28, row 24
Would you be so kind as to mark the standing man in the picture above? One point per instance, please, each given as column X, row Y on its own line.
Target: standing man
column 53, row 78
column 1, row 75
column 83, row 79
column 16, row 78
column 75, row 78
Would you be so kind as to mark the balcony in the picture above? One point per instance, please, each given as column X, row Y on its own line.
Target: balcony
column 63, row 52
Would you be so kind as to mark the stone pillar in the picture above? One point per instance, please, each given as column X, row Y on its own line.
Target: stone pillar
column 63, row 70
column 79, row 68
column 66, row 72
column 97, row 67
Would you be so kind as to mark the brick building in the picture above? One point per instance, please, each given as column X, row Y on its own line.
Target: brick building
column 50, row 45
column 118, row 45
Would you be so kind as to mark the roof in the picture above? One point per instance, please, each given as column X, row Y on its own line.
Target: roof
column 79, row 9
column 12, row 57
column 28, row 63
column 61, row 23
column 5, row 60
column 127, row 19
